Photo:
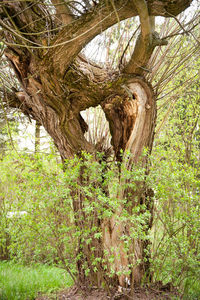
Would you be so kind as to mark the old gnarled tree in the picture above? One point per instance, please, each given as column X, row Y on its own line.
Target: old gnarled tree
column 43, row 42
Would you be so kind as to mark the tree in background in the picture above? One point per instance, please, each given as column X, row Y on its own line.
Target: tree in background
column 57, row 82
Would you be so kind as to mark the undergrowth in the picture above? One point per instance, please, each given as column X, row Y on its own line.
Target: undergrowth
column 18, row 282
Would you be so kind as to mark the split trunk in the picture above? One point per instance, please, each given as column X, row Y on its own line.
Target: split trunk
column 129, row 106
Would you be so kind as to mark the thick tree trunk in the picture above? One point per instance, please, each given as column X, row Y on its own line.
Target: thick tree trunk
column 44, row 41
column 132, row 123
column 130, row 109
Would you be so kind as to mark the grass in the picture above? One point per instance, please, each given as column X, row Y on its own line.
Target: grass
column 18, row 282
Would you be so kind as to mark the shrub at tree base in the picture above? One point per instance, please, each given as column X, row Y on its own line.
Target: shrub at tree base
column 48, row 232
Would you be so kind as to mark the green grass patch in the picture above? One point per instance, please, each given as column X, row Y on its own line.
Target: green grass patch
column 18, row 282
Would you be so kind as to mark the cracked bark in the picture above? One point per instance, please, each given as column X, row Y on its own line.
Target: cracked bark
column 57, row 83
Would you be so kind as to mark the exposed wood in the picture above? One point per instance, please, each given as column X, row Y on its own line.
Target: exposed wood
column 142, row 134
column 131, row 117
column 57, row 83
column 121, row 114
column 132, row 121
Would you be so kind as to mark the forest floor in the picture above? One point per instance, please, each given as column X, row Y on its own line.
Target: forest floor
column 97, row 294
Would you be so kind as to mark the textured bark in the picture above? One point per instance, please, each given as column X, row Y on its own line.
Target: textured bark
column 57, row 83
column 132, row 122
column 132, row 117
column 44, row 99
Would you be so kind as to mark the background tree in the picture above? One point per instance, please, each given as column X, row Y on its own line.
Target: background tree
column 44, row 42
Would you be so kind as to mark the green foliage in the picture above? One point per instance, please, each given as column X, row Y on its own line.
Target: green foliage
column 44, row 234
column 175, row 179
column 18, row 282
column 47, row 232
column 51, row 233
column 176, row 230
column 8, row 126
column 100, row 190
